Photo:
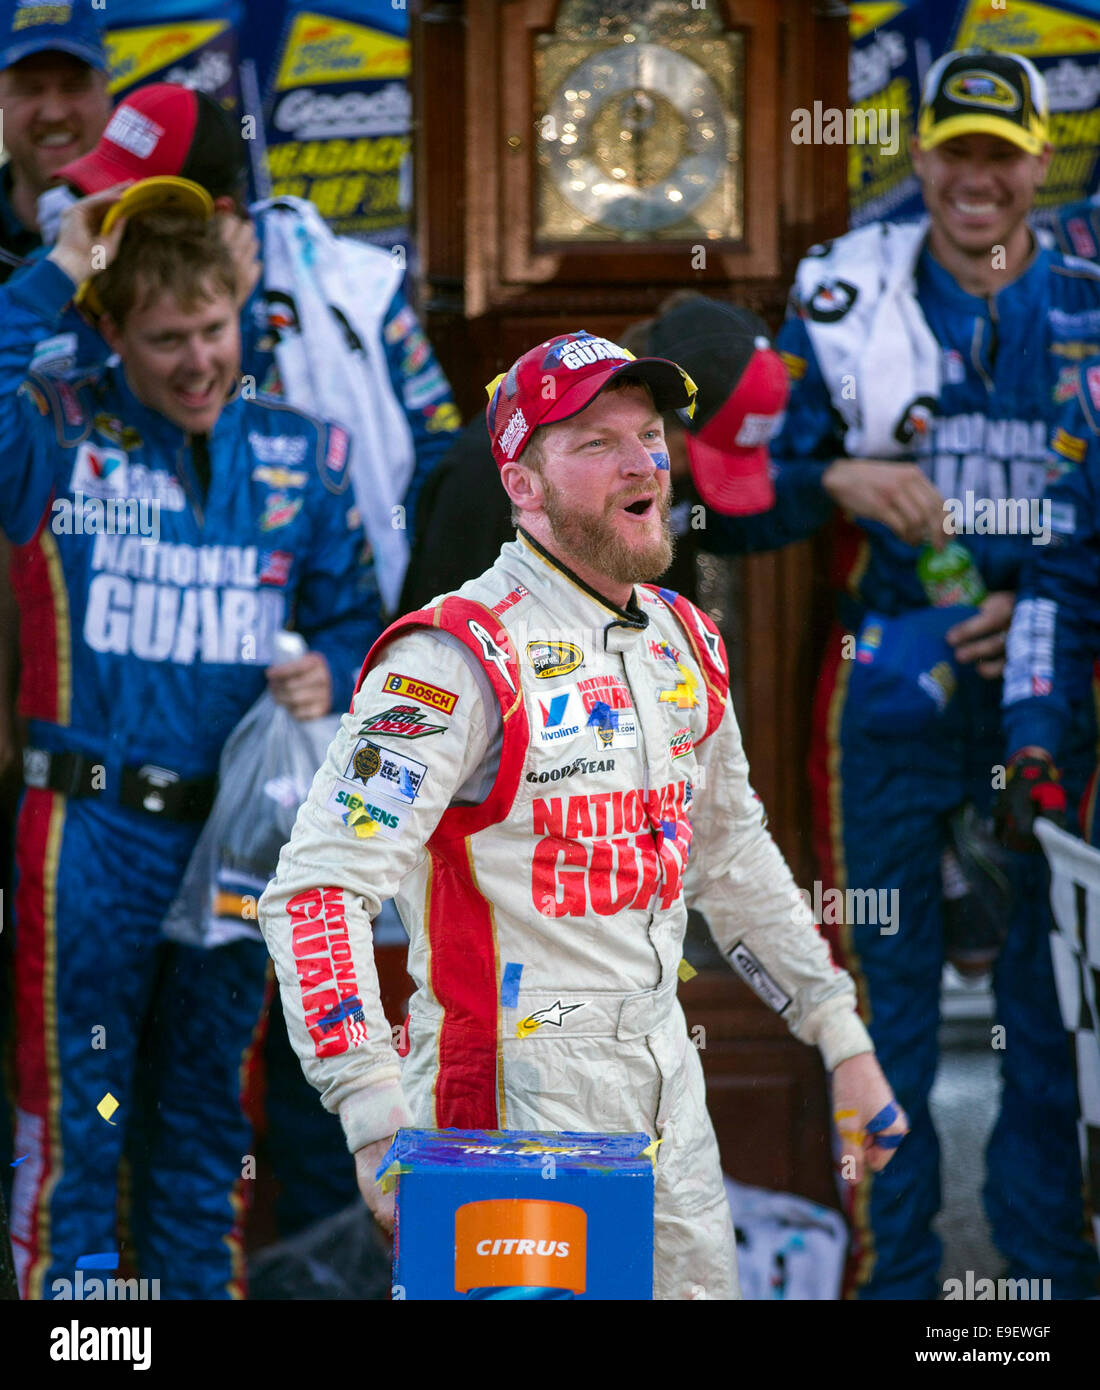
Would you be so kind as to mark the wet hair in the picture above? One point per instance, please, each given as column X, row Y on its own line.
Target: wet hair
column 166, row 251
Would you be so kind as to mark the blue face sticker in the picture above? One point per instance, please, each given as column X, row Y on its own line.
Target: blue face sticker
column 660, row 462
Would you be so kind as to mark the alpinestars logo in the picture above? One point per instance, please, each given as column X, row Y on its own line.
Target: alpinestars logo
column 497, row 655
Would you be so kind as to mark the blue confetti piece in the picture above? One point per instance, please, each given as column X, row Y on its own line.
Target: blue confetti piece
column 17, row 1161
column 108, row 1260
column 345, row 1009
column 669, row 827
column 660, row 462
column 603, row 716
column 407, row 786
column 884, row 1119
column 509, row 985
column 669, row 595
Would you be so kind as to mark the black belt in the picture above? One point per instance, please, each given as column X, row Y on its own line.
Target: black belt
column 157, row 790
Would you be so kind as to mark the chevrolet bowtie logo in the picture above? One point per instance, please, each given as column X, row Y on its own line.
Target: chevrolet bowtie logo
column 683, row 694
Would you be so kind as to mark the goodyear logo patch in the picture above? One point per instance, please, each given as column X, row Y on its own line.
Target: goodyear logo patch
column 442, row 700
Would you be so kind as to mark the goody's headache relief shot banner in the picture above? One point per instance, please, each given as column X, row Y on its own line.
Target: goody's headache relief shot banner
column 337, row 115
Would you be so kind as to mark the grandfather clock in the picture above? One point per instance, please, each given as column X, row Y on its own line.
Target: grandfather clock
column 575, row 162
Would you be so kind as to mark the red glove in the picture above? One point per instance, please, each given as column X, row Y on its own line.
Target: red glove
column 1033, row 787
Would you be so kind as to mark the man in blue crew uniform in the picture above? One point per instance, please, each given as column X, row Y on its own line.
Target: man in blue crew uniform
column 164, row 129
column 925, row 360
column 167, row 130
column 53, row 93
column 157, row 558
column 1054, row 641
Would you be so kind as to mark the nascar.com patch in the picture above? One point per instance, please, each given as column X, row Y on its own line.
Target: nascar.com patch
column 442, row 700
column 757, row 978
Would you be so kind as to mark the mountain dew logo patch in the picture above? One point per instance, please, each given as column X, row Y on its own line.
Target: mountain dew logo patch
column 680, row 744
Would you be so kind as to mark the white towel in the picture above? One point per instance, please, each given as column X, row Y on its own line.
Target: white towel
column 321, row 373
column 787, row 1246
column 877, row 354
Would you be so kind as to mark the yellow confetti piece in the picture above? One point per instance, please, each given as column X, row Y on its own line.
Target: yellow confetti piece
column 526, row 1026
column 855, row 1136
column 651, row 1151
column 683, row 695
column 364, row 826
column 686, row 972
column 388, row 1181
column 107, row 1107
column 845, row 1114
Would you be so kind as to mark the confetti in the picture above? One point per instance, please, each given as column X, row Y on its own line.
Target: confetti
column 107, row 1260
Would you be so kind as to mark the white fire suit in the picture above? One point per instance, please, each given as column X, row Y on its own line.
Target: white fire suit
column 524, row 770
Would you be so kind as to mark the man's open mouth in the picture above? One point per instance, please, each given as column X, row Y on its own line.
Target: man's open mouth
column 640, row 507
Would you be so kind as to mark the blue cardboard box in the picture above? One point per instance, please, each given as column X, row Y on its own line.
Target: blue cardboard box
column 521, row 1214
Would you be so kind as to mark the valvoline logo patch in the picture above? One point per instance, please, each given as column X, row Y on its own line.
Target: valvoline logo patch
column 520, row 1243
column 554, row 713
column 99, row 471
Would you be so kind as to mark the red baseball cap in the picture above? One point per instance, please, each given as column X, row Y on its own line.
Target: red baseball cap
column 162, row 129
column 560, row 377
column 743, row 391
column 730, row 463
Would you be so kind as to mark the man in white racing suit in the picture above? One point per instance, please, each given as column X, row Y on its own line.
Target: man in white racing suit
column 525, row 767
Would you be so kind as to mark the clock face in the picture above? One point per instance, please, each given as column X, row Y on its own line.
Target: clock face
column 645, row 146
column 638, row 141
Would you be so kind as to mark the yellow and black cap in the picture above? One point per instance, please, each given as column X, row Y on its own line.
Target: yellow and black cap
column 979, row 91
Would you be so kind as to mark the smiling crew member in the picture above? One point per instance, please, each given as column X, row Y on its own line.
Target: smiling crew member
column 166, row 529
column 928, row 361
column 525, row 768
column 53, row 93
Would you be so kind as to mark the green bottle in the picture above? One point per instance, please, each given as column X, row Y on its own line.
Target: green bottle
column 950, row 576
